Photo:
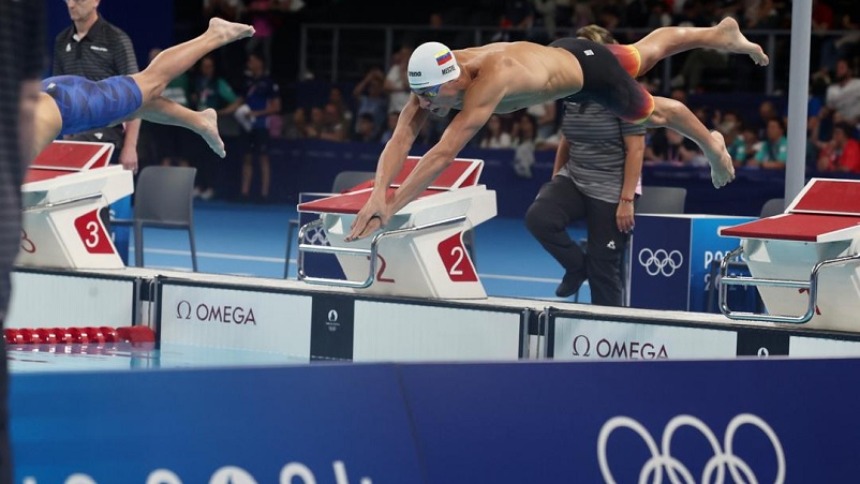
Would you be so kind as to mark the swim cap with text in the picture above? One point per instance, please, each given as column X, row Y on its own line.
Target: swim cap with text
column 431, row 64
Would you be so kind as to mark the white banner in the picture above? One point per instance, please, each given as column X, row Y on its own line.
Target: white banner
column 49, row 300
column 227, row 318
column 801, row 346
column 586, row 338
column 408, row 332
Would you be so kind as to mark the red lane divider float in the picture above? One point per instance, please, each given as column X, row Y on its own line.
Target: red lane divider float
column 86, row 335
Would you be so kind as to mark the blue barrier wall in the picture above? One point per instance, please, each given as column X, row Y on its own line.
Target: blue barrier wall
column 775, row 420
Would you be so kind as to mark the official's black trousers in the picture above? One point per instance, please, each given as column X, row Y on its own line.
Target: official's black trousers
column 560, row 202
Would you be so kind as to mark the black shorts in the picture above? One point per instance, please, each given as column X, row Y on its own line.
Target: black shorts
column 608, row 78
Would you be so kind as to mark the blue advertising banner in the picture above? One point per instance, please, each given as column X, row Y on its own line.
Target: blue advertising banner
column 663, row 421
column 707, row 246
column 658, row 421
column 660, row 263
column 325, row 424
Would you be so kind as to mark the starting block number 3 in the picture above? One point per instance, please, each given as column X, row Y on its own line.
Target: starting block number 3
column 92, row 233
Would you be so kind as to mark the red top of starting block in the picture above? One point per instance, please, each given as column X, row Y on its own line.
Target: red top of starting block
column 350, row 203
column 64, row 157
column 836, row 197
column 800, row 227
column 460, row 173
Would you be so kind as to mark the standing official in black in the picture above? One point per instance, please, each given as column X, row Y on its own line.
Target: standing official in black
column 96, row 49
column 597, row 168
column 22, row 59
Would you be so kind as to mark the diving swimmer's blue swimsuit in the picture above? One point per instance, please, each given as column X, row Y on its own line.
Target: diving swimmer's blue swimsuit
column 86, row 105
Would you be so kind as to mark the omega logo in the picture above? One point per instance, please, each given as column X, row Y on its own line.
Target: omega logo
column 216, row 313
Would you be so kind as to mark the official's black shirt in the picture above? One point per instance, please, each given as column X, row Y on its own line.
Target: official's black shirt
column 104, row 52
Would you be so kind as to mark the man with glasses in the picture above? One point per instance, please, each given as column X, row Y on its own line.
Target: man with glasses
column 504, row 77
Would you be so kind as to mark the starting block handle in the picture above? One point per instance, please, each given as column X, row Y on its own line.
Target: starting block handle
column 70, row 201
column 811, row 285
column 356, row 252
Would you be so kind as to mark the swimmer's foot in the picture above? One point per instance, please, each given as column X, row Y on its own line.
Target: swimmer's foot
column 722, row 169
column 734, row 41
column 227, row 32
column 208, row 129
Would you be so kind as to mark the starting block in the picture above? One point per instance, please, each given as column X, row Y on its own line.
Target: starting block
column 64, row 190
column 805, row 262
column 420, row 253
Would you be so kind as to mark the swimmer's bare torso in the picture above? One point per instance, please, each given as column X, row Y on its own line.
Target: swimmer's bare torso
column 525, row 73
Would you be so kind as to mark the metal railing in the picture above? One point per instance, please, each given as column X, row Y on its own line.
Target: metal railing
column 343, row 52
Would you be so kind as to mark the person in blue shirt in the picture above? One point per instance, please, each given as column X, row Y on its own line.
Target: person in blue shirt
column 261, row 99
column 71, row 104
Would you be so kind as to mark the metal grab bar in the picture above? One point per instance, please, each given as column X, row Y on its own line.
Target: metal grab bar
column 357, row 252
column 60, row 203
column 811, row 285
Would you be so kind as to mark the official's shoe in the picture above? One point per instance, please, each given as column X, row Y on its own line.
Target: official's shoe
column 570, row 284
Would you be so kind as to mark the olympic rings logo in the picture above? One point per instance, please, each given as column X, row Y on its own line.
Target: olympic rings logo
column 316, row 236
column 661, row 459
column 661, row 261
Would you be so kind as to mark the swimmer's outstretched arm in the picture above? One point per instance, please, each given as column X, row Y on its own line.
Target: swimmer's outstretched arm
column 409, row 124
column 465, row 125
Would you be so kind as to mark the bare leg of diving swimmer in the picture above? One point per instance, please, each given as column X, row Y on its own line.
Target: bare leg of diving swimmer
column 205, row 123
column 172, row 62
column 667, row 41
column 673, row 114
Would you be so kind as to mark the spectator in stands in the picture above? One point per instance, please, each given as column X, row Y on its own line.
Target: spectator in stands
column 595, row 177
column 842, row 153
column 495, row 136
column 336, row 98
column 316, row 124
column 752, row 143
column 835, row 48
column 371, row 99
column 365, row 129
column 774, row 151
column 766, row 111
column 396, row 80
column 843, row 95
column 262, row 96
column 298, row 125
column 334, row 127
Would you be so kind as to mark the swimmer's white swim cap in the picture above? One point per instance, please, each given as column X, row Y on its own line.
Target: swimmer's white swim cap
column 431, row 64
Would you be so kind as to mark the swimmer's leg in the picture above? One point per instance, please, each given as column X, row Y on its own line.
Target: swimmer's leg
column 205, row 123
column 673, row 114
column 667, row 41
column 174, row 61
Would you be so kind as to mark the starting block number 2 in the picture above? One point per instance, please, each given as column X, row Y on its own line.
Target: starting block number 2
column 93, row 234
column 457, row 263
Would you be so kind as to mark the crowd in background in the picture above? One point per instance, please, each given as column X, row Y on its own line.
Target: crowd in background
column 365, row 109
